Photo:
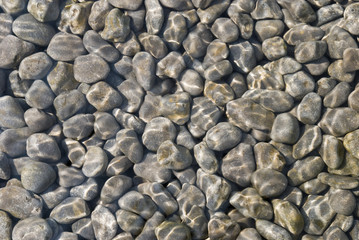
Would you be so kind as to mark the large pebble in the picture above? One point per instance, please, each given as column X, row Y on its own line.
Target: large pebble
column 104, row 223
column 274, row 48
column 69, row 103
column 249, row 234
column 223, row 136
column 54, row 195
column 44, row 10
column 13, row 141
column 153, row 44
column 87, row 190
column 69, row 176
column 38, row 120
column 285, row 129
column 129, row 144
column 271, row 231
column 338, row 181
column 114, row 188
column 70, row 210
column 197, row 40
column 309, row 109
column 298, row 84
column 171, row 65
column 144, row 69
column 137, row 203
column 151, row 170
column 61, row 78
column 175, row 29
column 267, row 156
column 74, row 17
column 65, row 47
column 176, row 107
column 303, row 33
column 39, row 95
column 173, row 156
column 342, row 201
column 5, row 225
column 266, row 9
column 287, row 215
column 332, row 151
column 348, row 165
column 310, row 51
column 41, row 146
column 35, row 66
column 79, row 126
column 154, row 16
column 148, row 231
column 338, row 40
column 221, row 226
column 12, row 114
column 103, row 97
column 117, row 26
column 98, row 14
column 338, row 95
column 129, row 222
column 95, row 162
column 32, row 228
column 243, row 56
column 304, row 170
column 268, row 182
column 90, row 68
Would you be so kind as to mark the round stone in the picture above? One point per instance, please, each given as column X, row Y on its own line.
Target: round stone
column 225, row 30
column 35, row 66
column 173, row 156
column 342, row 201
column 103, row 97
column 274, row 48
column 44, row 10
column 32, row 228
column 70, row 210
column 65, row 47
column 39, row 95
column 285, row 129
column 223, row 136
column 95, row 162
column 37, row 176
column 41, row 146
column 269, row 182
column 90, row 68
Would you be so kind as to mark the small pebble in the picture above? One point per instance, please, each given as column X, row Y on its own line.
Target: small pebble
column 117, row 26
column 70, row 210
column 104, row 223
column 65, row 47
column 95, row 162
column 87, row 190
column 79, row 126
column 268, row 182
column 172, row 156
column 69, row 103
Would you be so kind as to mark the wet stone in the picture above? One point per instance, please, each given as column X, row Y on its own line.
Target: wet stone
column 69, row 103
column 133, row 94
column 266, row 9
column 332, row 151
column 223, row 136
column 313, row 187
column 218, row 70
column 243, row 56
column 205, row 158
column 338, row 181
column 83, row 228
column 70, row 210
column 268, row 182
column 271, row 231
column 137, row 203
column 316, row 219
column 104, row 223
column 274, row 48
column 186, row 176
column 250, row 204
column 69, row 176
column 129, row 144
column 353, row 99
column 40, row 146
column 266, row 156
column 61, row 78
column 338, row 40
column 285, row 129
column 44, row 11
column 32, row 227
column 309, row 109
column 265, row 29
column 216, row 52
column 129, row 121
column 117, row 26
column 151, row 170
column 225, row 30
column 118, row 165
column 338, row 96
column 175, row 30
column 172, row 230
column 216, row 189
column 342, row 201
column 74, row 18
column 246, row 114
column 264, row 79
column 39, row 95
column 79, row 126
column 13, row 141
column 284, row 65
column 65, row 47
column 99, row 11
column 189, row 196
column 173, row 156
column 95, row 162
column 157, row 131
column 219, row 92
column 87, row 190
column 176, row 107
column 153, row 44
column 317, row 67
column 304, row 170
column 210, row 14
column 12, row 114
column 171, row 66
column 12, row 197
column 221, row 226
column 197, row 40
column 144, row 68
column 349, row 165
column 339, row 121
column 299, row 84
column 239, row 164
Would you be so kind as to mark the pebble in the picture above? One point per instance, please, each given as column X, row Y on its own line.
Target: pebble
column 249, row 203
column 39, row 95
column 144, row 69
column 246, row 114
column 105, row 125
column 173, row 156
column 117, row 26
column 274, row 48
column 243, row 56
column 332, row 151
column 287, row 215
column 197, row 41
column 176, row 107
column 154, row 16
column 338, row 40
column 339, row 121
column 44, row 11
column 170, row 66
column 338, row 95
column 343, row 222
column 215, row 188
column 129, row 222
column 41, row 146
column 212, row 12
column 83, row 228
column 268, row 182
column 127, row 141
column 37, row 176
column 129, row 5
column 350, row 18
column 74, row 17
column 309, row 109
column 69, row 103
column 69, row 176
column 342, row 201
column 87, row 190
column 249, row 234
column 103, row 97
column 304, row 170
column 5, row 171
column 303, row 33
column 298, row 84
column 264, row 79
column 218, row 92
column 65, row 47
column 153, row 44
column 266, row 9
column 5, row 25
column 12, row 114
column 172, row 230
column 225, row 30
column 53, row 195
column 148, row 231
column 79, row 126
column 221, row 226
column 5, row 226
column 271, row 231
column 13, row 141
column 95, row 162
column 104, row 223
column 338, row 181
column 129, row 121
column 32, row 227
column 349, row 166
column 38, row 120
column 175, row 29
column 285, row 129
column 335, row 232
column 265, row 29
column 99, row 69
column 313, row 187
column 267, row 156
column 61, row 78
column 70, row 210
column 137, row 203
column 223, row 136
column 151, row 170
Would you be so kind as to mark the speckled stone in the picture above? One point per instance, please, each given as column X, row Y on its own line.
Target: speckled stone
column 144, row 69
column 5, row 226
column 175, row 28
column 176, row 107
column 103, row 97
column 337, row 70
column 5, row 25
column 285, row 129
column 172, row 230
column 342, row 201
column 221, row 226
column 87, row 190
column 338, row 181
column 104, row 223
column 274, row 48
column 83, row 228
column 70, row 210
column 44, row 11
column 74, row 17
column 243, row 56
column 332, row 151
column 79, row 126
column 61, row 78
column 298, row 84
column 249, row 234
column 287, row 215
column 173, row 156
column 267, row 156
column 266, row 9
column 117, row 26
column 90, row 69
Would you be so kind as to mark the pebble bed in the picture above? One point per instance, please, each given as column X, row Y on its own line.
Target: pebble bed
column 179, row 119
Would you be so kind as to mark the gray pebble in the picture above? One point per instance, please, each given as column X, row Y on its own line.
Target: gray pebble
column 14, row 8
column 274, row 48
column 61, row 78
column 5, row 226
column 284, row 65
column 65, row 47
column 335, row 233
column 130, row 46
column 303, row 33
column 96, row 45
column 225, row 30
column 197, row 40
column 339, row 121
column 310, row 140
column 13, row 141
column 337, row 70
column 29, row 29
column 175, row 30
column 342, row 201
column 250, row 204
column 117, row 26
column 218, row 70
column 246, row 114
column 153, row 44
column 177, row 5
column 176, row 107
column 44, row 11
column 205, row 158
column 118, row 165
column 103, row 97
column 268, row 182
column 16, row 85
column 211, row 185
column 185, row 139
column 266, row 156
column 172, row 230
column 79, row 126
column 223, row 136
column 67, row 236
column 304, row 170
column 343, row 222
column 40, row 146
column 238, row 84
column 338, row 181
column 148, row 231
column 69, row 176
column 87, row 190
column 39, row 95
column 114, row 188
column 5, row 25
column 173, row 156
column 129, row 5
column 171, row 66
column 137, row 203
column 261, row 78
column 338, row 40
column 310, row 51
column 328, row 13
column 313, row 187
column 105, row 125
column 265, row 29
column 186, row 176
column 285, row 129
column 35, row 66
column 338, row 95
column 349, row 166
column 32, row 227
column 288, row 216
column 144, row 68
column 129, row 144
column 293, row 195
column 350, row 18
column 74, row 17
column 350, row 59
column 99, row 11
column 242, row 55
column 95, row 162
column 245, row 24
column 5, row 171
column 216, row 52
column 12, row 197
column 332, row 151
column 300, row 10
column 317, row 67
column 316, row 221
column 271, row 231
column 213, row 11
column 12, row 114
column 55, row 194
column 309, row 109
column 70, row 210
column 154, row 16
column 123, row 236
column 129, row 121
column 218, row 92
column 38, row 120
column 90, row 69
column 325, row 85
column 299, row 84
column 83, row 228
column 104, row 223
column 151, row 170
column 68, row 103
column 249, row 234
column 266, row 9
column 221, row 226
column 352, row 99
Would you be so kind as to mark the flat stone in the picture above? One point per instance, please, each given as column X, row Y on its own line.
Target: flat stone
column 338, row 181
column 83, row 228
column 249, row 234
column 304, row 170
column 313, row 187
column 249, row 203
column 70, row 210
column 98, row 14
column 65, row 47
column 223, row 136
column 41, row 146
column 32, row 227
column 265, row 29
column 338, row 95
column 274, row 48
column 268, row 182
column 342, row 201
column 55, row 194
column 329, row 13
column 303, row 33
